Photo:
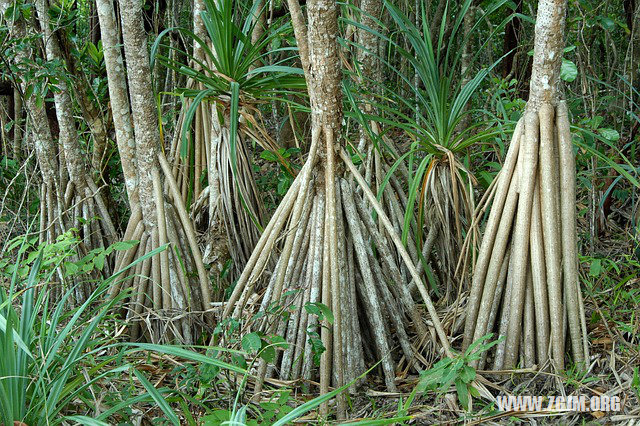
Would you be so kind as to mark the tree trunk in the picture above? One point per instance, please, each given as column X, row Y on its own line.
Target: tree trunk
column 52, row 208
column 143, row 107
column 155, row 221
column 17, row 123
column 118, row 97
column 547, row 53
column 511, row 42
column 84, row 193
column 326, row 256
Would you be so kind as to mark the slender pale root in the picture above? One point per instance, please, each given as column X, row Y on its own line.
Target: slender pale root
column 577, row 322
column 403, row 252
column 162, row 239
column 484, row 257
column 315, row 279
column 326, row 332
column 330, row 281
column 497, row 255
column 528, row 335
column 549, row 193
column 498, row 358
column 521, row 237
column 332, row 188
column 539, row 281
column 141, row 291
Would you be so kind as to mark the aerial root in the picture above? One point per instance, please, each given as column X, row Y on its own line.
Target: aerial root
column 162, row 284
column 306, row 267
column 230, row 204
column 81, row 207
column 327, row 248
column 531, row 286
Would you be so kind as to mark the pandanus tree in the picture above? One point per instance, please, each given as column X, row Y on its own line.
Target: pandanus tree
column 228, row 78
column 525, row 284
column 173, row 286
column 320, row 241
column 51, row 193
column 70, row 199
column 440, row 185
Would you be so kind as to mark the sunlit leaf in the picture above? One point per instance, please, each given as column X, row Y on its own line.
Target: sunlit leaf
column 568, row 71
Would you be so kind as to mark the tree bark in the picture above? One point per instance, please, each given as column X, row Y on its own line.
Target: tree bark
column 547, row 53
column 118, row 97
column 17, row 123
column 76, row 166
column 143, row 107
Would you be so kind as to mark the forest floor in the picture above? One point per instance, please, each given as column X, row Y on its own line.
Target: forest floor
column 611, row 284
column 610, row 276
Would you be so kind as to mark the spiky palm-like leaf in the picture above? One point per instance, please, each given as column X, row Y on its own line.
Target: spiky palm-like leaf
column 439, row 180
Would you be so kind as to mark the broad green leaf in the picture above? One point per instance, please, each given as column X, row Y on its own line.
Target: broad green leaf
column 269, row 156
column 279, row 341
column 71, row 268
column 607, row 23
column 268, row 353
column 124, row 245
column 463, row 394
column 216, row 418
column 320, row 310
column 468, row 374
column 568, row 70
column 596, row 268
column 611, row 135
column 251, row 342
column 99, row 261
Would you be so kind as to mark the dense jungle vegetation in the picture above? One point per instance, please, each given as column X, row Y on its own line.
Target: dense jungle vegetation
column 261, row 212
